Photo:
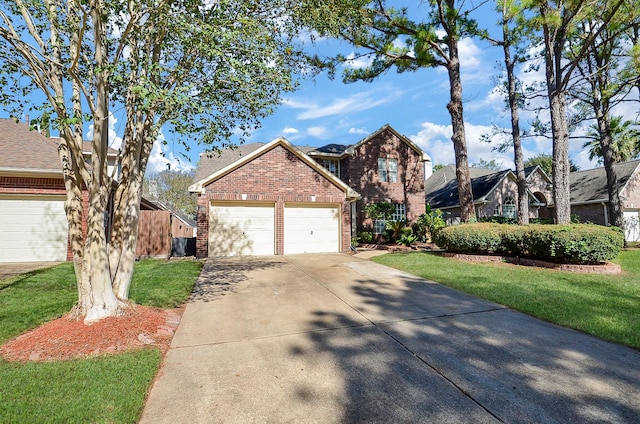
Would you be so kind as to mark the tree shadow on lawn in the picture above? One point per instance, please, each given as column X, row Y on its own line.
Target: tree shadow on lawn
column 417, row 362
column 220, row 276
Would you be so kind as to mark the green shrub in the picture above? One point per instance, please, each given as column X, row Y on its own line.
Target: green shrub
column 429, row 223
column 407, row 239
column 574, row 243
column 365, row 237
column 481, row 238
column 497, row 219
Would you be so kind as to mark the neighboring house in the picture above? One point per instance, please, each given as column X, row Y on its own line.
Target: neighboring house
column 277, row 198
column 33, row 222
column 494, row 193
column 590, row 198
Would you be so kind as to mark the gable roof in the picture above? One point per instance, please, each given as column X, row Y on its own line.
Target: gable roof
column 212, row 162
column 333, row 149
column 388, row 127
column 199, row 185
column 441, row 187
column 25, row 151
column 590, row 186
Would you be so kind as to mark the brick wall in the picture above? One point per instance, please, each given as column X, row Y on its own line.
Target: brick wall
column 277, row 176
column 360, row 172
column 31, row 185
column 631, row 193
column 593, row 213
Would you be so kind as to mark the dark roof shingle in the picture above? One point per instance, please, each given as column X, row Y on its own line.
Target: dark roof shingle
column 591, row 185
column 22, row 149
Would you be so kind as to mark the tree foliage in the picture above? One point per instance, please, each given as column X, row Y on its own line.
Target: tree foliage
column 545, row 161
column 202, row 69
column 389, row 38
column 172, row 188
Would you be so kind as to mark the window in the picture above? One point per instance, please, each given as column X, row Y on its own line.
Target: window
column 509, row 208
column 332, row 166
column 388, row 170
column 400, row 214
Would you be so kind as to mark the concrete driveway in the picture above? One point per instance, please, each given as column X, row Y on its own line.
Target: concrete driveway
column 9, row 269
column 337, row 339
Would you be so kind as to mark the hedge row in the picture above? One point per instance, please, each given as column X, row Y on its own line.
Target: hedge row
column 574, row 244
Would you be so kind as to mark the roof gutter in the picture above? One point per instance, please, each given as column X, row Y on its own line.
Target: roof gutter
column 25, row 172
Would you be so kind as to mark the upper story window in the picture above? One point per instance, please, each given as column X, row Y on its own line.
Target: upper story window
column 331, row 165
column 387, row 170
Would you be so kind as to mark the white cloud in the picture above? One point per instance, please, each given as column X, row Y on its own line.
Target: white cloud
column 161, row 158
column 470, row 54
column 358, row 131
column 115, row 141
column 289, row 131
column 317, row 132
column 357, row 62
column 358, row 102
column 435, row 140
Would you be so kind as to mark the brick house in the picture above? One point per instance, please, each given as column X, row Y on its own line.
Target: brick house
column 590, row 198
column 384, row 166
column 33, row 222
column 277, row 198
column 494, row 193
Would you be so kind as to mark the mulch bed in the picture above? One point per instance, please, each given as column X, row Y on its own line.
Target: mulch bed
column 68, row 338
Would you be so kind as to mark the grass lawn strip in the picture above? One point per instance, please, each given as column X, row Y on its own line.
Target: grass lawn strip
column 104, row 389
column 606, row 306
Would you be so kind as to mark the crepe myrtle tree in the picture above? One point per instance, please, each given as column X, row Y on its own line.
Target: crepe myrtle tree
column 202, row 69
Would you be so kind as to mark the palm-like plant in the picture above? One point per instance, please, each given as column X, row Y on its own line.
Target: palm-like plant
column 626, row 141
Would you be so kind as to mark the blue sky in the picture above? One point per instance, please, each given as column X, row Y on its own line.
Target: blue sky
column 326, row 111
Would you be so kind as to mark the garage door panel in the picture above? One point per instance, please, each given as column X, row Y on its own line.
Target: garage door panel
column 311, row 229
column 33, row 229
column 241, row 230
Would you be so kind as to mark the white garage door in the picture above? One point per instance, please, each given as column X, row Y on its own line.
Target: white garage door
column 241, row 229
column 33, row 229
column 311, row 229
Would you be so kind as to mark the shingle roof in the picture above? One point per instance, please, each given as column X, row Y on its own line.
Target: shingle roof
column 441, row 187
column 442, row 191
column 333, row 149
column 210, row 163
column 591, row 185
column 21, row 149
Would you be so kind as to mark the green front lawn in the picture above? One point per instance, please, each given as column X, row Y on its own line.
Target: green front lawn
column 104, row 389
column 606, row 306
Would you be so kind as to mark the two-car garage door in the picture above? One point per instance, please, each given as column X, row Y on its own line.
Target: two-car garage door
column 33, row 229
column 250, row 229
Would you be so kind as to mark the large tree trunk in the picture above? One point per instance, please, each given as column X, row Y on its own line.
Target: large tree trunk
column 465, row 195
column 512, row 98
column 560, row 167
column 97, row 297
column 554, row 41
